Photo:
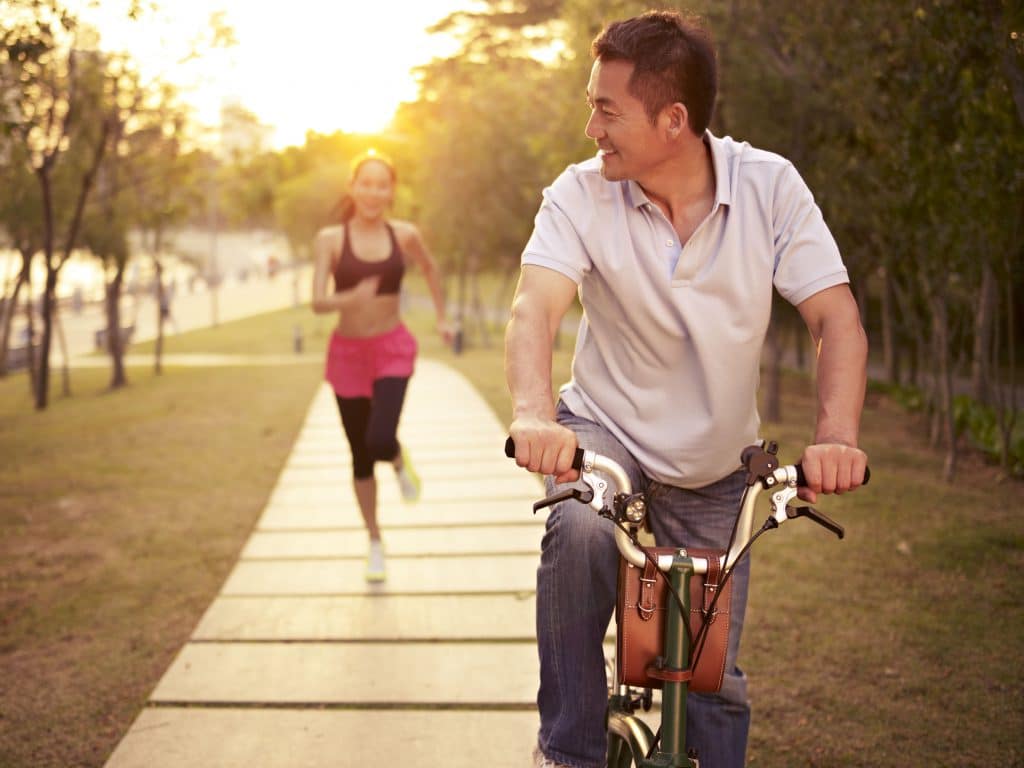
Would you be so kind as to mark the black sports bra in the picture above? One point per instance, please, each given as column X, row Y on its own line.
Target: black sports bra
column 350, row 269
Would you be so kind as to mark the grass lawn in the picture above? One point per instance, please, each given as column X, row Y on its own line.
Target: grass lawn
column 900, row 646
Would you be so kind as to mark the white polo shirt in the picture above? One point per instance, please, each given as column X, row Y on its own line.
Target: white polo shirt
column 668, row 350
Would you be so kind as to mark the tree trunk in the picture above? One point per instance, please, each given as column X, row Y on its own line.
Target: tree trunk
column 160, row 300
column 30, row 352
column 65, row 369
column 981, row 358
column 479, row 308
column 49, row 298
column 890, row 354
column 115, row 344
column 1005, row 392
column 158, row 355
column 10, row 310
column 944, row 382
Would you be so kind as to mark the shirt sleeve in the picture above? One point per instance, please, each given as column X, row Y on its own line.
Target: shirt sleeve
column 807, row 259
column 556, row 242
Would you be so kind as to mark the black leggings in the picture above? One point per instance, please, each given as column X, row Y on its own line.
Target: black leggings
column 371, row 424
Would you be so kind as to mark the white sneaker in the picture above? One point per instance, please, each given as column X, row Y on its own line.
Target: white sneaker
column 375, row 570
column 539, row 761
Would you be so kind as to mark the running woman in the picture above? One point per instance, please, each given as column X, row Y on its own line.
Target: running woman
column 371, row 353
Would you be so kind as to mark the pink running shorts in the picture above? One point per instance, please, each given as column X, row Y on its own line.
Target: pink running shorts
column 354, row 363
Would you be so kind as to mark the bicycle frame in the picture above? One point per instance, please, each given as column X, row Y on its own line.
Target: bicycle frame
column 630, row 740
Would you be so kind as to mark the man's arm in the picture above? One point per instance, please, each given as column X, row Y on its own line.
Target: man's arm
column 834, row 463
column 542, row 445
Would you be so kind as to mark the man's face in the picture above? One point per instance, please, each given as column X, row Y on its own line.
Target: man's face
column 629, row 145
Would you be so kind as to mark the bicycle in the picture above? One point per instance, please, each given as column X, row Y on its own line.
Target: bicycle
column 631, row 742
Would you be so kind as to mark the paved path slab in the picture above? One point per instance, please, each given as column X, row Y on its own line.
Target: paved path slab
column 480, row 675
column 426, row 514
column 300, row 662
column 402, row 542
column 407, row 575
column 316, row 738
column 370, row 617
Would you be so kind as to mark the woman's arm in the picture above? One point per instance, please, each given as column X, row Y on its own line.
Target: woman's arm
column 324, row 246
column 417, row 250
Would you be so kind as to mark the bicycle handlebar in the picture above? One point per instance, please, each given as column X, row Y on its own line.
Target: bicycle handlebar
column 510, row 452
column 782, row 480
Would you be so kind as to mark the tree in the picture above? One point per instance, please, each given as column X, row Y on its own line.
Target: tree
column 64, row 121
column 20, row 213
column 161, row 179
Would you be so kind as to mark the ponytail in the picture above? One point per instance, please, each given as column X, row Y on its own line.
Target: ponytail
column 345, row 209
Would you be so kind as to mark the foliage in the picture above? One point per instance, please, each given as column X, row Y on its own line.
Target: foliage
column 981, row 424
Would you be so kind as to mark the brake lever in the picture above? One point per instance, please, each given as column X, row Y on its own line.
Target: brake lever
column 782, row 511
column 566, row 493
column 582, row 460
column 814, row 515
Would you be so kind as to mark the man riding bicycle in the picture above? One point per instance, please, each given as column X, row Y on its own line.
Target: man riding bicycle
column 673, row 239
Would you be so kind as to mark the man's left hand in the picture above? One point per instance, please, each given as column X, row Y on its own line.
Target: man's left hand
column 832, row 468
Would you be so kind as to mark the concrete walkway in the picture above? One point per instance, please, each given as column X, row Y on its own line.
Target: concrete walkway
column 300, row 662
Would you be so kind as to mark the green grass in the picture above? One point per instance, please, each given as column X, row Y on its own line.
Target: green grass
column 122, row 513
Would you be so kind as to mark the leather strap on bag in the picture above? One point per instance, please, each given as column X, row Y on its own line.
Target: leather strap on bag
column 643, row 601
column 648, row 586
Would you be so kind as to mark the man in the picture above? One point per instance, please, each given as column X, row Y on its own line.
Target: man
column 673, row 239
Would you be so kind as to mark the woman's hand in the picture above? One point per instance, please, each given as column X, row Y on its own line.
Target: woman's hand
column 445, row 331
column 365, row 289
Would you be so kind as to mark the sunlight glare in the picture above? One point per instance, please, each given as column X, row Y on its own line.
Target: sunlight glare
column 300, row 66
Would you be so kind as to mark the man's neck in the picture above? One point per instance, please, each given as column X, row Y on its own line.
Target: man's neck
column 683, row 182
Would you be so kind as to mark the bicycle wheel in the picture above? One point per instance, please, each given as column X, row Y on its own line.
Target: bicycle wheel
column 629, row 740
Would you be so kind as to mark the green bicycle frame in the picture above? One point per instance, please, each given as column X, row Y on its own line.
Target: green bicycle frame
column 671, row 752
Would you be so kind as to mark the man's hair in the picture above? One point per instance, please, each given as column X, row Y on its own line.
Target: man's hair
column 673, row 58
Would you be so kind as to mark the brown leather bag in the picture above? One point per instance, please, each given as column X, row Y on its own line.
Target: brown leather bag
column 643, row 599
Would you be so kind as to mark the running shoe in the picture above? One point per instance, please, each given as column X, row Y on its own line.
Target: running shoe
column 408, row 480
column 375, row 570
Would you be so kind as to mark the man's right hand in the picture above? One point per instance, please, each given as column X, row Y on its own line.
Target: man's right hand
column 545, row 446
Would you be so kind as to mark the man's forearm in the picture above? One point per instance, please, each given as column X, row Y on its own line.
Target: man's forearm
column 842, row 379
column 528, row 365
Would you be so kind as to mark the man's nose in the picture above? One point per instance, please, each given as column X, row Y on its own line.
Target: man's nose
column 593, row 130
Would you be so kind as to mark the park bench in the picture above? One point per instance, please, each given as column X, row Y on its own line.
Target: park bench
column 126, row 336
column 17, row 357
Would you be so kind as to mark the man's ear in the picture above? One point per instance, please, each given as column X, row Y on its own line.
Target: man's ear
column 676, row 119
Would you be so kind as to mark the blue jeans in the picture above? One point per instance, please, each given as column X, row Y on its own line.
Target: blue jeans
column 576, row 590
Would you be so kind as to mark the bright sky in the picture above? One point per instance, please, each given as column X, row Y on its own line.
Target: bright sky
column 299, row 65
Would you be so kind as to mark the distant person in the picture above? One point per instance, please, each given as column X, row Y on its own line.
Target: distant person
column 166, row 301
column 371, row 353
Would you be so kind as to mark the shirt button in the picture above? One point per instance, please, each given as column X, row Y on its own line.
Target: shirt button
column 670, row 243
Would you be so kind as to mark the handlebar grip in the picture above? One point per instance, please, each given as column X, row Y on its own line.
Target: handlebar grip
column 510, row 452
column 802, row 481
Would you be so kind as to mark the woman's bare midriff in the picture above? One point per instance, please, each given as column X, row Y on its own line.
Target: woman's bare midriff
column 378, row 315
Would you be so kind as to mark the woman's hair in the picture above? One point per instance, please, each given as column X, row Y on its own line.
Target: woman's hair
column 346, row 207
column 674, row 60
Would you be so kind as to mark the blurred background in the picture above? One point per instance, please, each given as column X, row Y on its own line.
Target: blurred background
column 153, row 150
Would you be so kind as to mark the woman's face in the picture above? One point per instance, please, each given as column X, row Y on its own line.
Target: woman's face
column 373, row 189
